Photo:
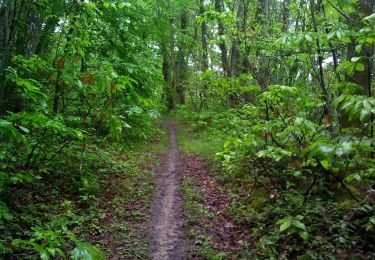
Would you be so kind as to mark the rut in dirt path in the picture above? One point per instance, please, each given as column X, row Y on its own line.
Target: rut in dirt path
column 167, row 227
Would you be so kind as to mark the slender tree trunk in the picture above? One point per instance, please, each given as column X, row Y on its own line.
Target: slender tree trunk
column 263, row 71
column 5, row 50
column 27, row 41
column 285, row 15
column 247, row 47
column 181, row 60
column 222, row 45
column 43, row 44
column 323, row 86
column 60, row 63
column 266, row 8
column 204, row 45
column 235, row 53
column 167, row 76
column 333, row 50
column 4, row 31
column 174, row 79
column 204, row 38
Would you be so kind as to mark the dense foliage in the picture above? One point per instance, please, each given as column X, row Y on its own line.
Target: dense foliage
column 75, row 77
column 288, row 85
column 284, row 87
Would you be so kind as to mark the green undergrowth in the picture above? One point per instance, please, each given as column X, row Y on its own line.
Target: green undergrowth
column 286, row 210
column 198, row 133
column 90, row 208
column 275, row 197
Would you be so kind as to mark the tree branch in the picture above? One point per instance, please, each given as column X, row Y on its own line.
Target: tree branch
column 338, row 10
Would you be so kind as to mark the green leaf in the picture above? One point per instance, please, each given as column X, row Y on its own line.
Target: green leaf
column 84, row 251
column 298, row 224
column 285, row 223
column 367, row 105
column 308, row 37
column 275, row 153
column 44, row 255
column 304, row 235
column 52, row 251
column 227, row 143
column 330, row 35
column 364, row 114
column 370, row 17
column 355, row 59
column 326, row 164
column 17, row 242
column 353, row 176
column 24, row 129
column 358, row 48
column 360, row 67
column 9, row 132
column 347, row 147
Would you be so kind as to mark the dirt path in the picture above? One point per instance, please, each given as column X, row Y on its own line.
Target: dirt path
column 167, row 226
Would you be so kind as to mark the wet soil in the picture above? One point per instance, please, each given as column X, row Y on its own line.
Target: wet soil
column 167, row 226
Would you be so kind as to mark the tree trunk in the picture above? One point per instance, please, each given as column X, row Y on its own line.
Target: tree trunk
column 362, row 78
column 222, row 45
column 246, row 57
column 204, row 38
column 43, row 44
column 181, row 60
column 285, row 15
column 204, row 63
column 167, row 76
column 323, row 87
column 263, row 67
column 5, row 50
column 21, row 41
column 235, row 53
column 28, row 40
column 173, row 79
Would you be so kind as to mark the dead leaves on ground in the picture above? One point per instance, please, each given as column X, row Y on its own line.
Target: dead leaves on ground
column 227, row 234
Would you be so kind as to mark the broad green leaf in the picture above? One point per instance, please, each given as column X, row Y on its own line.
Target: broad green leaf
column 326, row 164
column 285, row 223
column 298, row 224
column 370, row 17
column 355, row 59
column 308, row 37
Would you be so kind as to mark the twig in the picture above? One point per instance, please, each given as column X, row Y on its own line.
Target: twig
column 338, row 10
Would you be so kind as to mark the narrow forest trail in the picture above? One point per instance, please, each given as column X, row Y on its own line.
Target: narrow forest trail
column 167, row 225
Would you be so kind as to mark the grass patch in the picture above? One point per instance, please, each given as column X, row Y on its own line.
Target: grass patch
column 203, row 144
column 197, row 134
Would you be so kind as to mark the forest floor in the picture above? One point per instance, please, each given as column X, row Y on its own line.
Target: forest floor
column 166, row 203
